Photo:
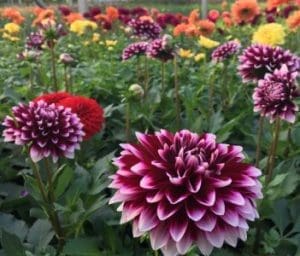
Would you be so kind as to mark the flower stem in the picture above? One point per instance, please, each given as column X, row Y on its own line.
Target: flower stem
column 258, row 142
column 53, row 61
column 163, row 71
column 146, row 77
column 127, row 120
column 176, row 89
column 211, row 96
column 67, row 89
column 49, row 206
column 273, row 150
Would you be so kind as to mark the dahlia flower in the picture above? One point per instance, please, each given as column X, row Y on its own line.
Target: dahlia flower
column 274, row 95
column 145, row 28
column 226, row 50
column 88, row 110
column 257, row 60
column 133, row 49
column 244, row 11
column 160, row 49
column 269, row 34
column 35, row 40
column 185, row 189
column 53, row 97
column 48, row 130
column 207, row 43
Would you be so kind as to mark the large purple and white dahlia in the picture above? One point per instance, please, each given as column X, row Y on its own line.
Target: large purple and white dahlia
column 48, row 130
column 275, row 94
column 258, row 60
column 185, row 189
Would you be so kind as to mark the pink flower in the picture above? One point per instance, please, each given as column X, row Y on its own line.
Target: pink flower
column 134, row 49
column 274, row 96
column 145, row 29
column 47, row 129
column 161, row 49
column 185, row 189
column 258, row 60
column 226, row 50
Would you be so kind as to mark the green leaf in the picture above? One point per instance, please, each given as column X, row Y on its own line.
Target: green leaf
column 281, row 216
column 40, row 234
column 62, row 181
column 12, row 225
column 81, row 247
column 11, row 244
column 32, row 187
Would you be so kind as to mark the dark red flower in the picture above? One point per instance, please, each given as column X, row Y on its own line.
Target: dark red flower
column 89, row 112
column 185, row 189
column 64, row 10
column 53, row 97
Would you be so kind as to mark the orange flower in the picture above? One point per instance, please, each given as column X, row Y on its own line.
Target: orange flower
column 293, row 21
column 180, row 29
column 72, row 17
column 45, row 14
column 13, row 15
column 101, row 18
column 194, row 16
column 37, row 10
column 275, row 3
column 192, row 30
column 244, row 10
column 112, row 13
column 146, row 18
column 206, row 27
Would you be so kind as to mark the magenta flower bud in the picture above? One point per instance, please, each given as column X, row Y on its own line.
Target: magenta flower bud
column 226, row 50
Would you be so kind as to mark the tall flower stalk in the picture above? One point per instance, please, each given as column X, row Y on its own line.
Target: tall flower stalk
column 176, row 90
column 258, row 142
column 53, row 65
column 273, row 150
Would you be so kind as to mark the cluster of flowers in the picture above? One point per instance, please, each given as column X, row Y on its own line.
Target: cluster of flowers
column 275, row 70
column 53, row 125
column 159, row 48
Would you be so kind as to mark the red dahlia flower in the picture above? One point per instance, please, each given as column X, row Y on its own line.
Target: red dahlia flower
column 89, row 112
column 49, row 130
column 185, row 189
column 52, row 97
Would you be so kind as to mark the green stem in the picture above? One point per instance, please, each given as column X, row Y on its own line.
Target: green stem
column 66, row 78
column 273, row 150
column 138, row 69
column 211, row 97
column 53, row 62
column 146, row 77
column 258, row 142
column 176, row 89
column 49, row 207
column 163, row 71
column 127, row 120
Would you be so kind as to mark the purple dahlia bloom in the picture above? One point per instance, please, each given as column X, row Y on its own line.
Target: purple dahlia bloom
column 274, row 95
column 226, row 50
column 145, row 29
column 160, row 49
column 185, row 189
column 48, row 130
column 35, row 40
column 133, row 49
column 258, row 60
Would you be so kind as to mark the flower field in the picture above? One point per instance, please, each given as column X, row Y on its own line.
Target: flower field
column 135, row 130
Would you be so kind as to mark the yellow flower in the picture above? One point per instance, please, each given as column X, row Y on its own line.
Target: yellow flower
column 81, row 26
column 199, row 56
column 269, row 34
column 207, row 43
column 96, row 37
column 109, row 43
column 185, row 53
column 10, row 37
column 86, row 43
column 12, row 28
column 110, row 48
